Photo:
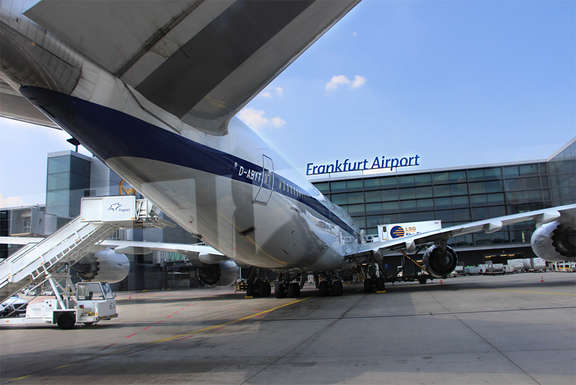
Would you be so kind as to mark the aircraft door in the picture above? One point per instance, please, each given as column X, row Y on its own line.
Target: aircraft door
column 266, row 181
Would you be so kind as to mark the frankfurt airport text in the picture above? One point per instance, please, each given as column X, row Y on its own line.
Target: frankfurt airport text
column 378, row 163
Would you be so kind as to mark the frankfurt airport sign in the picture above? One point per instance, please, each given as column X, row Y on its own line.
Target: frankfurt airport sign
column 378, row 163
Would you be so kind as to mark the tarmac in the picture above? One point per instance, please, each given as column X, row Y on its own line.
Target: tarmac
column 511, row 329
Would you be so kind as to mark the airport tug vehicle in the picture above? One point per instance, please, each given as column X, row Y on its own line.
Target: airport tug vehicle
column 68, row 305
column 43, row 266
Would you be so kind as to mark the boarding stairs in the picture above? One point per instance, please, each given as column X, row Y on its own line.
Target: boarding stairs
column 99, row 218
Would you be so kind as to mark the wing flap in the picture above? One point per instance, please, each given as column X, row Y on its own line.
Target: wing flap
column 13, row 106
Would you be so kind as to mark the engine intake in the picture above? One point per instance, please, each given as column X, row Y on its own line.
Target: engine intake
column 221, row 274
column 440, row 261
column 104, row 265
column 555, row 241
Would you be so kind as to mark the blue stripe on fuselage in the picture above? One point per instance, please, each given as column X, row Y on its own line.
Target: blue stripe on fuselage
column 112, row 133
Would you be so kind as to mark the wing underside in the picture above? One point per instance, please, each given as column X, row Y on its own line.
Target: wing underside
column 201, row 60
column 560, row 213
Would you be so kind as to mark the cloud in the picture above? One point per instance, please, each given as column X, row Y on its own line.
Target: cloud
column 10, row 201
column 355, row 34
column 359, row 81
column 269, row 93
column 338, row 81
column 258, row 120
column 277, row 122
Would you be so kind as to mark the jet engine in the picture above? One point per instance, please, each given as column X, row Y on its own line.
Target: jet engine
column 555, row 241
column 104, row 265
column 440, row 261
column 222, row 274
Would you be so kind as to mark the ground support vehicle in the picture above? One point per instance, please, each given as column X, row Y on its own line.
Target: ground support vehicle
column 83, row 303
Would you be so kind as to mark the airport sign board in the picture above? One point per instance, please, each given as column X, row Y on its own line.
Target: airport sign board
column 378, row 163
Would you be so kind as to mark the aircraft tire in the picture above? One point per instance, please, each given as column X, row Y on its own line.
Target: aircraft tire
column 66, row 320
column 294, row 290
column 368, row 286
column 337, row 288
column 280, row 290
column 323, row 289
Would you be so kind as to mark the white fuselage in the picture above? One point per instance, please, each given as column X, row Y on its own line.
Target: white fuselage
column 233, row 190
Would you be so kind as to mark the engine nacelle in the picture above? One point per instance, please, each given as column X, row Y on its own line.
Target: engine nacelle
column 104, row 266
column 555, row 241
column 439, row 262
column 220, row 274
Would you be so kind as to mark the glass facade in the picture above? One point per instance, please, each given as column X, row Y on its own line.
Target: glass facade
column 562, row 168
column 4, row 231
column 67, row 181
column 457, row 196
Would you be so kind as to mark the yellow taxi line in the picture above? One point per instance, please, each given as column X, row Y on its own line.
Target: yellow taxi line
column 219, row 326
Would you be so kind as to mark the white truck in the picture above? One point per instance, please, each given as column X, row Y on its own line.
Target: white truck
column 411, row 269
column 85, row 303
column 400, row 230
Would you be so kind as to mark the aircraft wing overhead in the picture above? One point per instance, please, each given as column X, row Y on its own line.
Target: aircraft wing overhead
column 15, row 106
column 560, row 213
column 201, row 60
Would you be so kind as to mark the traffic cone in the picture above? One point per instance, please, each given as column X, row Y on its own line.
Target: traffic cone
column 441, row 282
column 541, row 279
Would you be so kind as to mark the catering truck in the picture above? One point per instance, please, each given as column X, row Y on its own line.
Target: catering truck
column 411, row 267
column 401, row 230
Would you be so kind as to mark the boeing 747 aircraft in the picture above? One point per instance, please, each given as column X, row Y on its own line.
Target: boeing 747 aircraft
column 152, row 88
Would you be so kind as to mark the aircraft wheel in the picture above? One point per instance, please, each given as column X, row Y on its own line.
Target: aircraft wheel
column 280, row 290
column 267, row 289
column 294, row 290
column 368, row 286
column 66, row 320
column 337, row 288
column 380, row 283
column 422, row 279
column 323, row 289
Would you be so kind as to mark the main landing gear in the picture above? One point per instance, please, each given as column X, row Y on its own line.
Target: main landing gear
column 373, row 278
column 257, row 287
column 329, row 284
column 286, row 287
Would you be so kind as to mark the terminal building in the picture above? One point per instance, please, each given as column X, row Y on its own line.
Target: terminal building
column 458, row 195
column 453, row 195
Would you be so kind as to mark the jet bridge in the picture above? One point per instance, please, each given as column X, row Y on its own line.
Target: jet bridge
column 99, row 218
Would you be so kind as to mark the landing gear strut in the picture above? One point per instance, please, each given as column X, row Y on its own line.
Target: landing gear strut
column 285, row 287
column 373, row 278
column 257, row 287
column 331, row 284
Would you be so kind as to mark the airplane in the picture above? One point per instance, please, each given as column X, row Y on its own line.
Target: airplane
column 152, row 88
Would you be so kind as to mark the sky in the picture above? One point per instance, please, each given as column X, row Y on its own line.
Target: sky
column 456, row 82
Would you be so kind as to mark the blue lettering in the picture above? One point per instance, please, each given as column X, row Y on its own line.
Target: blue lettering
column 338, row 167
column 376, row 163
column 308, row 168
